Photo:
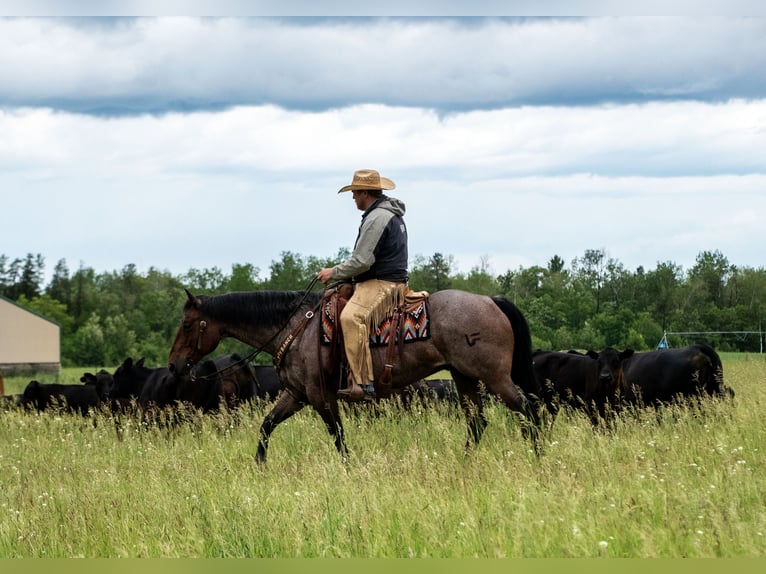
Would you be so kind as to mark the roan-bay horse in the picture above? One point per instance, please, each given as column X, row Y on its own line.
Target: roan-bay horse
column 483, row 341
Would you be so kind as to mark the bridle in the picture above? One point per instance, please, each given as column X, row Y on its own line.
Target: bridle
column 202, row 327
column 291, row 337
column 257, row 350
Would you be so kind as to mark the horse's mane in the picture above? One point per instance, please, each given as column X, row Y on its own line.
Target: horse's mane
column 257, row 307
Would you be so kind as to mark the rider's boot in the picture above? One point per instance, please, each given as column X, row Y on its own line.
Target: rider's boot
column 354, row 393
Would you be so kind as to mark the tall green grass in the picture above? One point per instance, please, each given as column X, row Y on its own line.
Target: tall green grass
column 683, row 482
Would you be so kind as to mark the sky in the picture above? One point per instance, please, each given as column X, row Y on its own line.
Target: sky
column 191, row 141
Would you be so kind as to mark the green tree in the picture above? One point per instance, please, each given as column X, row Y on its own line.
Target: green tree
column 10, row 272
column 60, row 286
column 3, row 273
column 618, row 284
column 556, row 265
column 204, row 281
column 590, row 273
column 478, row 280
column 32, row 271
column 119, row 340
column 84, row 295
column 663, row 292
column 88, row 345
column 290, row 273
column 710, row 272
column 22, row 277
column 432, row 274
column 616, row 328
column 752, row 297
column 243, row 277
column 528, row 283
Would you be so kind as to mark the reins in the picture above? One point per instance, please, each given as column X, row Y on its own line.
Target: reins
column 256, row 351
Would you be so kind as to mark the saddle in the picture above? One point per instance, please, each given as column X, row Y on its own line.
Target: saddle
column 406, row 323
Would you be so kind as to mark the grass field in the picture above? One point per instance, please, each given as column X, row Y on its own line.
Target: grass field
column 684, row 482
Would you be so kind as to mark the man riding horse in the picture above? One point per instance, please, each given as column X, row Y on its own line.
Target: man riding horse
column 378, row 268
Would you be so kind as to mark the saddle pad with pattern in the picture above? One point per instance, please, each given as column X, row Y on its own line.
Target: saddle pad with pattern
column 415, row 325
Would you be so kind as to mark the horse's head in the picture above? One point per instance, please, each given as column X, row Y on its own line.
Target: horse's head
column 197, row 336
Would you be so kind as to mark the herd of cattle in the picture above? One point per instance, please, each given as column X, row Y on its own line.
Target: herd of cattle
column 226, row 380
column 610, row 379
column 598, row 382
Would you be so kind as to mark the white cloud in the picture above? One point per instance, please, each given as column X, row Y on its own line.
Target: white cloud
column 651, row 182
column 676, row 138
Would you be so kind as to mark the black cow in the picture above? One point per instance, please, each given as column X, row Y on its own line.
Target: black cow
column 202, row 388
column 73, row 398
column 102, row 380
column 664, row 375
column 148, row 387
column 428, row 391
column 267, row 382
column 590, row 381
column 227, row 377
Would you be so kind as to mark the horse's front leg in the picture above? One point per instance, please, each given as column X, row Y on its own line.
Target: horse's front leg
column 325, row 403
column 287, row 405
column 328, row 410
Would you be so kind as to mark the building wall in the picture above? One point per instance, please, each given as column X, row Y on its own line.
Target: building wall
column 27, row 341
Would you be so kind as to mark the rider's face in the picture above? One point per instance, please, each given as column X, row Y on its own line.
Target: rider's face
column 360, row 198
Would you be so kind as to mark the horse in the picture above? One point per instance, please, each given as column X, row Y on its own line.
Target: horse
column 483, row 341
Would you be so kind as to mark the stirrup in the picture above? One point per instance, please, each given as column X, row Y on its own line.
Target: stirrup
column 355, row 393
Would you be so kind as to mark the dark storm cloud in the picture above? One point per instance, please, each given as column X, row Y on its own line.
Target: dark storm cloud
column 132, row 66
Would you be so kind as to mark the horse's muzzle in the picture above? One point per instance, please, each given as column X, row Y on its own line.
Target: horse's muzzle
column 178, row 368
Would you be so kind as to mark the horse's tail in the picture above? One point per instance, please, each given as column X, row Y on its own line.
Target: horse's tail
column 522, row 371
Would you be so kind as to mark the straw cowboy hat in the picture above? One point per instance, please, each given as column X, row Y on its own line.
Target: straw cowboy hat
column 368, row 179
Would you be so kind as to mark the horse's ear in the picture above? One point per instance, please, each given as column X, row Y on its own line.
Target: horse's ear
column 192, row 299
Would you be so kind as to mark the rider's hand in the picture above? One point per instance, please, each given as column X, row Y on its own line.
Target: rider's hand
column 325, row 274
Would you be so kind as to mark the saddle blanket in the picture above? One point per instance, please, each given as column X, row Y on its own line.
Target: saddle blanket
column 414, row 325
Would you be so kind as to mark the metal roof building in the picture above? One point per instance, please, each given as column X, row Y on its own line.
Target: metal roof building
column 28, row 341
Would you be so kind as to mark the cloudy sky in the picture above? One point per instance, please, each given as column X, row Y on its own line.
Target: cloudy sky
column 185, row 142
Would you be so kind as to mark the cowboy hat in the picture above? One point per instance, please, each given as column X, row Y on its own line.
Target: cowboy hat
column 368, row 179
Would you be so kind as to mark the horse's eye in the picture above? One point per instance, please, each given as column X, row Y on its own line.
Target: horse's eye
column 186, row 326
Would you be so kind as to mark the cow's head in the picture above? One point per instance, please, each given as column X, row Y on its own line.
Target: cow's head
column 609, row 363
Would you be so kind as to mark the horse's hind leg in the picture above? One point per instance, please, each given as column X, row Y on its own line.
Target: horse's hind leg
column 504, row 388
column 286, row 406
column 470, row 401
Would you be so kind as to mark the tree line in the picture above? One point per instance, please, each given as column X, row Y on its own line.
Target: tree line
column 591, row 303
